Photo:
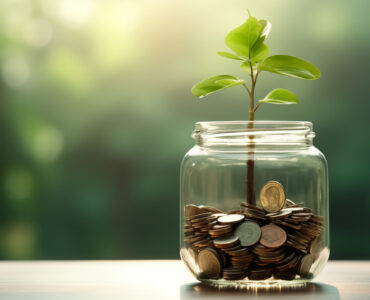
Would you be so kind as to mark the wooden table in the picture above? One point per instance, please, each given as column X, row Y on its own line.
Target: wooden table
column 161, row 279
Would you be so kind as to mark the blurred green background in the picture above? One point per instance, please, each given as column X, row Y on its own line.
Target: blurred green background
column 96, row 114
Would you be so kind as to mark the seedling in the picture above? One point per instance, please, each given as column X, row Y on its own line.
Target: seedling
column 249, row 49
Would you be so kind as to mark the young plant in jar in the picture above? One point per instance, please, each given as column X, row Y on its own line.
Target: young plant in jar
column 275, row 238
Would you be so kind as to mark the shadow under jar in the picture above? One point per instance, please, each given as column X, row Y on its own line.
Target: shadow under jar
column 254, row 204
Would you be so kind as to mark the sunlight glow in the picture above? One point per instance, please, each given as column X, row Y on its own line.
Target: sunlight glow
column 74, row 12
column 126, row 16
column 114, row 32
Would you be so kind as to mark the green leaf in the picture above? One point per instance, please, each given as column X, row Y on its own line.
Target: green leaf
column 242, row 38
column 213, row 84
column 290, row 66
column 230, row 82
column 280, row 96
column 229, row 55
column 259, row 52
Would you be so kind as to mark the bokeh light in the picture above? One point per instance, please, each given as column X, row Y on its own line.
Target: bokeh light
column 15, row 71
column 38, row 32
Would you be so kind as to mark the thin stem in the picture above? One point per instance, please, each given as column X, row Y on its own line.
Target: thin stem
column 251, row 197
column 251, row 108
column 247, row 89
column 252, row 75
column 258, row 105
column 255, row 79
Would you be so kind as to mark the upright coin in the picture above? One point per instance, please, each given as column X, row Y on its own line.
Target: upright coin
column 272, row 196
column 316, row 248
column 305, row 265
column 210, row 263
column 248, row 232
column 272, row 236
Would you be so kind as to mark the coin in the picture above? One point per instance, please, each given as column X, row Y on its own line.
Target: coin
column 233, row 273
column 315, row 248
column 248, row 232
column 191, row 210
column 226, row 242
column 305, row 265
column 280, row 214
column 197, row 216
column 260, row 274
column 285, row 275
column 272, row 196
column 218, row 232
column 210, row 208
column 289, row 202
column 218, row 215
column 252, row 212
column 286, row 262
column 233, row 211
column 272, row 236
column 207, row 242
column 231, row 219
column 237, row 252
column 287, row 224
column 201, row 218
column 210, row 263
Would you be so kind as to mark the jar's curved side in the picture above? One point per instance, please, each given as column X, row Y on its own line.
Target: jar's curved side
column 187, row 255
column 217, row 179
column 323, row 256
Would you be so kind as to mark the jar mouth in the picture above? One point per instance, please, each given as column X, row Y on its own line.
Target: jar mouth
column 256, row 132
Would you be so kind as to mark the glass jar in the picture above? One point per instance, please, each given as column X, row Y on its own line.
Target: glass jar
column 254, row 204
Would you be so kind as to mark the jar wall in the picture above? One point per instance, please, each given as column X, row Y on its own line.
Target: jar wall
column 217, row 179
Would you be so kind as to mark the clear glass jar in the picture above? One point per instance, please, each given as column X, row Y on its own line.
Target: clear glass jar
column 254, row 204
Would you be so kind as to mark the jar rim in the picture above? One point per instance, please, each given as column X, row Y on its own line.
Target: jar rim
column 256, row 132
column 268, row 124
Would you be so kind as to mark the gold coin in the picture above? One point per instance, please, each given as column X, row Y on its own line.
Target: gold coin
column 272, row 196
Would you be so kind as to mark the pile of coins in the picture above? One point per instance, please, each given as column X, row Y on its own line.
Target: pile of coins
column 282, row 239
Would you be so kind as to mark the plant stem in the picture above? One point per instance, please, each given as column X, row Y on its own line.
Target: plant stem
column 251, row 197
column 247, row 89
column 258, row 105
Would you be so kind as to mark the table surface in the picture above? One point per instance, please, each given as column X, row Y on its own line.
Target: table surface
column 161, row 279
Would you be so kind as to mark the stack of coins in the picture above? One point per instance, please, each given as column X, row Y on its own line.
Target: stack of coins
column 198, row 221
column 197, row 229
column 280, row 239
column 286, row 268
column 253, row 212
column 218, row 231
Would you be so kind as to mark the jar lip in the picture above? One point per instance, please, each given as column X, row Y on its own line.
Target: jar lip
column 257, row 125
column 255, row 132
